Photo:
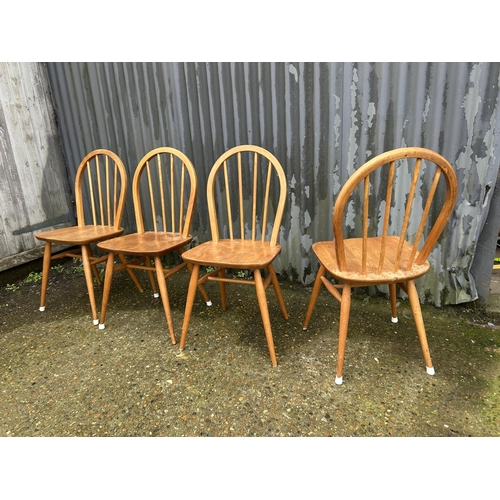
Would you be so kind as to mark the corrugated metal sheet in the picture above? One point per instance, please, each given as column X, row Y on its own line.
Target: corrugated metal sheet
column 34, row 190
column 321, row 120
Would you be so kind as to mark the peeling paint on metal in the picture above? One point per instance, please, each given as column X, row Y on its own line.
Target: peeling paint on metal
column 321, row 120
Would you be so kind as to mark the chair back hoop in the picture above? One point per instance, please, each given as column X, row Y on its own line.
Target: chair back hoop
column 241, row 194
column 100, row 189
column 392, row 159
column 164, row 192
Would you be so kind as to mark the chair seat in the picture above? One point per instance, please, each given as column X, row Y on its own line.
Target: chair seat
column 76, row 235
column 149, row 243
column 325, row 251
column 235, row 254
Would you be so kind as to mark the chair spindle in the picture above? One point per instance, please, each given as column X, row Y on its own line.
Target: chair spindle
column 162, row 195
column 91, row 188
column 366, row 189
column 266, row 200
column 115, row 195
column 99, row 192
column 228, row 202
column 108, row 197
column 411, row 197
column 172, row 194
column 152, row 197
column 254, row 201
column 387, row 213
column 181, row 200
column 240, row 189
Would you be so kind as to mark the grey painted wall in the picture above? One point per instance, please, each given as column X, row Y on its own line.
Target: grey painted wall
column 34, row 189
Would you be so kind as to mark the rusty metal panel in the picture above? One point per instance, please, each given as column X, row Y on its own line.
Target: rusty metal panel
column 34, row 192
column 321, row 120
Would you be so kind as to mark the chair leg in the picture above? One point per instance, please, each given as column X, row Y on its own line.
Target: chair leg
column 419, row 323
column 162, row 283
column 204, row 293
column 264, row 311
column 87, row 269
column 151, row 275
column 93, row 266
column 223, row 294
column 108, row 277
column 345, row 307
column 45, row 274
column 193, row 285
column 314, row 295
column 131, row 273
column 201, row 288
column 277, row 290
column 393, row 294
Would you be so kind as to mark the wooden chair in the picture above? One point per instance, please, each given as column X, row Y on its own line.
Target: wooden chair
column 100, row 192
column 387, row 251
column 164, row 192
column 244, row 229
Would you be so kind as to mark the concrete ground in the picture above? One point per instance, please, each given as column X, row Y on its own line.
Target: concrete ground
column 63, row 377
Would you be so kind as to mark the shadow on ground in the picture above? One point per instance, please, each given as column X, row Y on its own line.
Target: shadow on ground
column 62, row 376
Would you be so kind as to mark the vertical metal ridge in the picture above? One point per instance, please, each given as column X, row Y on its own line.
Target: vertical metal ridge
column 321, row 120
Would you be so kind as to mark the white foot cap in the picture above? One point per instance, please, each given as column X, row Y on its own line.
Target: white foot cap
column 430, row 371
column 156, row 295
column 209, row 303
column 101, row 326
column 95, row 321
column 42, row 308
column 304, row 328
column 338, row 380
column 394, row 320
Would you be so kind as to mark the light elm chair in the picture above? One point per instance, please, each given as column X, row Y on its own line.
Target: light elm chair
column 385, row 252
